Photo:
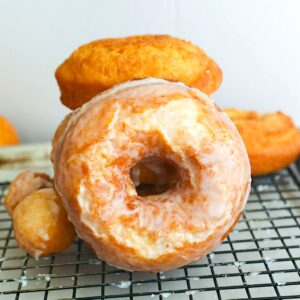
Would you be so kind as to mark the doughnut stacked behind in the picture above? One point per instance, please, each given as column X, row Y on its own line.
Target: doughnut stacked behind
column 145, row 119
column 272, row 140
column 101, row 64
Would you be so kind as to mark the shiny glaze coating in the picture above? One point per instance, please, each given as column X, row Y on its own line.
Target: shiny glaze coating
column 98, row 144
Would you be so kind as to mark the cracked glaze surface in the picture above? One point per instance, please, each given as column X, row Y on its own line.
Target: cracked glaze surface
column 98, row 144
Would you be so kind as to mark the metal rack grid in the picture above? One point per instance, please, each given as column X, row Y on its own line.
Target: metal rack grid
column 260, row 259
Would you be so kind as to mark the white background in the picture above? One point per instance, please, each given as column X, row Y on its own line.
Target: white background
column 256, row 43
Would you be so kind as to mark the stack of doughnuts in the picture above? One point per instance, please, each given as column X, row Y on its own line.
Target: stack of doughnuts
column 150, row 171
column 138, row 163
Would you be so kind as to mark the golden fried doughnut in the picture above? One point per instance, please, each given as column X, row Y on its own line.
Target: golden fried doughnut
column 8, row 133
column 41, row 225
column 23, row 185
column 106, row 138
column 272, row 140
column 101, row 64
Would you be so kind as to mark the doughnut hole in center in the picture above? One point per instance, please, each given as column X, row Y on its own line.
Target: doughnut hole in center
column 153, row 176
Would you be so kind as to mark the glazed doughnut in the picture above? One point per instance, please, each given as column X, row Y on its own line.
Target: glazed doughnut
column 23, row 185
column 272, row 140
column 105, row 139
column 101, row 64
column 41, row 225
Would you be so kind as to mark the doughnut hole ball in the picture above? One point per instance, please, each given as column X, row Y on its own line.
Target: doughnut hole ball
column 41, row 224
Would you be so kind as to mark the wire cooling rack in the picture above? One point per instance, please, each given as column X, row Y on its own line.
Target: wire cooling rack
column 259, row 260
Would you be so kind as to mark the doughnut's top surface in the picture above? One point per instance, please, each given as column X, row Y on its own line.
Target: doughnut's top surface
column 99, row 65
column 99, row 143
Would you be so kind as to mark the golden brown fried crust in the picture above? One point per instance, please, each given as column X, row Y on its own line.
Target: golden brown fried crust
column 272, row 140
column 101, row 64
column 210, row 80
